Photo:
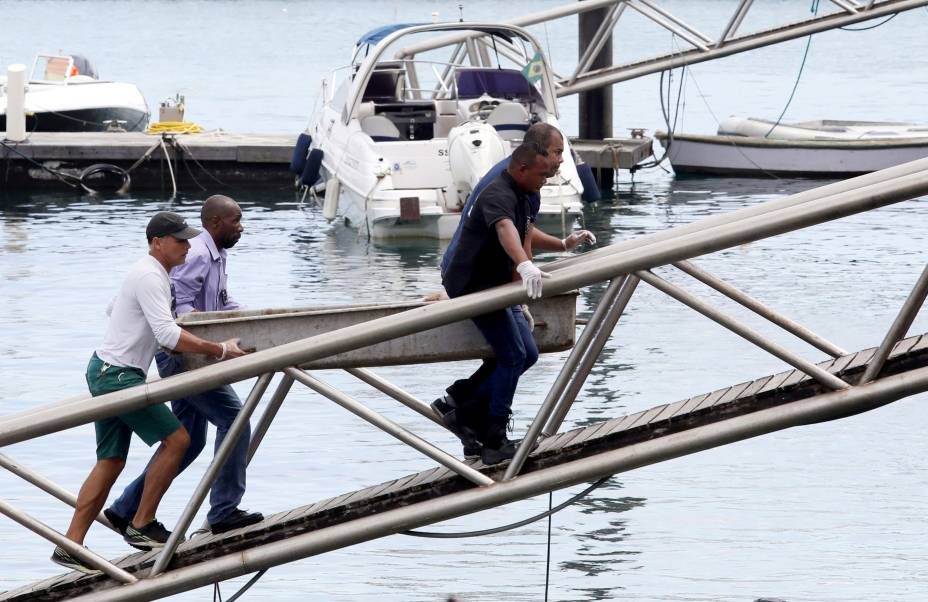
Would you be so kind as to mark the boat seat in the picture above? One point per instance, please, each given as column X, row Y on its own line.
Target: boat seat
column 510, row 119
column 380, row 129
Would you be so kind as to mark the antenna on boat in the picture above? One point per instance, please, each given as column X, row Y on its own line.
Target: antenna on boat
column 461, row 12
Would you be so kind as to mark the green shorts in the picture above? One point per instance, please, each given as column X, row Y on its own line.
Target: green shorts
column 152, row 424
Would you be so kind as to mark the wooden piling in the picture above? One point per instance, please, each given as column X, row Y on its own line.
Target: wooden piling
column 596, row 105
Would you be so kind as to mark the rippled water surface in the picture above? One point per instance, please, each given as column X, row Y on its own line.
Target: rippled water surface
column 832, row 511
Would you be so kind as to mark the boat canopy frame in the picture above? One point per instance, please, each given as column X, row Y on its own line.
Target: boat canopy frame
column 471, row 31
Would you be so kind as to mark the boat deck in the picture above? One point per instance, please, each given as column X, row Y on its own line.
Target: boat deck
column 657, row 422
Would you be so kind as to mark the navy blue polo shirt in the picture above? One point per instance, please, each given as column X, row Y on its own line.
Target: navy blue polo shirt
column 480, row 262
column 534, row 201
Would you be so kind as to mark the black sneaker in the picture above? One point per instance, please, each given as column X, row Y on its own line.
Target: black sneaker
column 448, row 416
column 61, row 557
column 236, row 520
column 119, row 523
column 153, row 535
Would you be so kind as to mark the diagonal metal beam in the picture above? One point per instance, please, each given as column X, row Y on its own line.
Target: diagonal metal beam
column 826, row 378
column 390, row 427
column 759, row 308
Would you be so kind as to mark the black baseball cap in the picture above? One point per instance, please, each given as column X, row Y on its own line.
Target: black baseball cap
column 166, row 223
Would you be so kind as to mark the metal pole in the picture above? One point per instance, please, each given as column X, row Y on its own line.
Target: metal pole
column 385, row 386
column 674, row 19
column 679, row 31
column 736, row 18
column 607, row 307
column 899, row 327
column 807, row 197
column 816, row 409
column 737, row 45
column 595, row 45
column 826, row 378
column 391, row 428
column 47, row 485
column 78, row 551
column 203, row 487
column 760, row 309
column 603, row 309
column 592, row 354
column 270, row 412
column 688, row 243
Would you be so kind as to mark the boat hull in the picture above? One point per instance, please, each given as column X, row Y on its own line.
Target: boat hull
column 83, row 120
column 758, row 157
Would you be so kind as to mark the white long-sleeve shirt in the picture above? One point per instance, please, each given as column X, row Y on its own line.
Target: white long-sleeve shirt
column 140, row 317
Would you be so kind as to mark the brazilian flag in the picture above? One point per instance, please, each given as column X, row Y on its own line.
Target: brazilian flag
column 534, row 69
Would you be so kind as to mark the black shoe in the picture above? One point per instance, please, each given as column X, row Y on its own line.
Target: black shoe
column 61, row 557
column 449, row 417
column 153, row 535
column 236, row 520
column 119, row 523
column 496, row 446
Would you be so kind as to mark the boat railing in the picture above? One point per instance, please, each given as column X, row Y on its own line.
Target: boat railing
column 623, row 266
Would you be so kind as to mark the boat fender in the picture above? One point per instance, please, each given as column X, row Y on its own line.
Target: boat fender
column 298, row 160
column 103, row 177
column 591, row 192
column 330, row 205
column 313, row 165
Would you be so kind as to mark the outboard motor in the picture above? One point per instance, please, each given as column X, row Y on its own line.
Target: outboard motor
column 473, row 148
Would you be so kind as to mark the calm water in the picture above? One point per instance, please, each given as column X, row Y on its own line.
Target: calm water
column 826, row 512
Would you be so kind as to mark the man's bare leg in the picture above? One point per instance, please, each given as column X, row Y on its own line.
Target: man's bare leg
column 161, row 473
column 92, row 496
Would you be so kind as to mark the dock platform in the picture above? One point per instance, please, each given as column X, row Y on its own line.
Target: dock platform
column 661, row 421
column 205, row 159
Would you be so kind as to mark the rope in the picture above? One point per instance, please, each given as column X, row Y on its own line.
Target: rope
column 174, row 127
column 516, row 525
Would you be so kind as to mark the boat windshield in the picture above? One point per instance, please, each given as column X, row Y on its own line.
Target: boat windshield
column 48, row 68
column 499, row 83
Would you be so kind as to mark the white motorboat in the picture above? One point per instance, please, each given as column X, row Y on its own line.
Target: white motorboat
column 822, row 148
column 64, row 94
column 399, row 141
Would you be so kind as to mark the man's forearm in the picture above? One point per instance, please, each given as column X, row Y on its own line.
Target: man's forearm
column 189, row 343
column 546, row 242
column 509, row 239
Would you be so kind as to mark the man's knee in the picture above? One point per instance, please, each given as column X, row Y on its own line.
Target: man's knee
column 112, row 466
column 178, row 441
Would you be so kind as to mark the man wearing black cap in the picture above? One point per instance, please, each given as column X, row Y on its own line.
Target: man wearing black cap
column 141, row 321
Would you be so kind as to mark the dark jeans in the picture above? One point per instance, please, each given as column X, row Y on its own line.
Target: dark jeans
column 508, row 334
column 219, row 407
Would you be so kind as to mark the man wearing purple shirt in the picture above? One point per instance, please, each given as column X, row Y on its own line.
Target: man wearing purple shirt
column 200, row 285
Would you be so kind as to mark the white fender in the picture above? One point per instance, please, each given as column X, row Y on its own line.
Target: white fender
column 330, row 205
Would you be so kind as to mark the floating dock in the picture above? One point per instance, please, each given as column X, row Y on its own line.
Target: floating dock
column 211, row 160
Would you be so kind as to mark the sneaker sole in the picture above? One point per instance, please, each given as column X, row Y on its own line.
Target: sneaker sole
column 76, row 567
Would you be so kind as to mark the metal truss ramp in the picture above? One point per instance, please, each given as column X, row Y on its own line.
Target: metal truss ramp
column 625, row 433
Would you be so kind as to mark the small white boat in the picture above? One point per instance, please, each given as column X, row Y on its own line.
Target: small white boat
column 400, row 141
column 822, row 148
column 64, row 94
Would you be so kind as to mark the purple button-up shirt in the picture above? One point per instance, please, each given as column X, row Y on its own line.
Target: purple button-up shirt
column 200, row 283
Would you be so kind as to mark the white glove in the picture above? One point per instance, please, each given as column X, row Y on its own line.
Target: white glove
column 578, row 237
column 531, row 278
column 529, row 318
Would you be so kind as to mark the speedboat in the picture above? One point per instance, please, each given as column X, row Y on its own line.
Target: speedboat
column 65, row 94
column 823, row 148
column 399, row 140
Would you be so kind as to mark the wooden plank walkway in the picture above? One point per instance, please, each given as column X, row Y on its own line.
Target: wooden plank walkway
column 699, row 410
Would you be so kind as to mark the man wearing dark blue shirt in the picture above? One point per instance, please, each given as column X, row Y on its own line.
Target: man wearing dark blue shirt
column 462, row 410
